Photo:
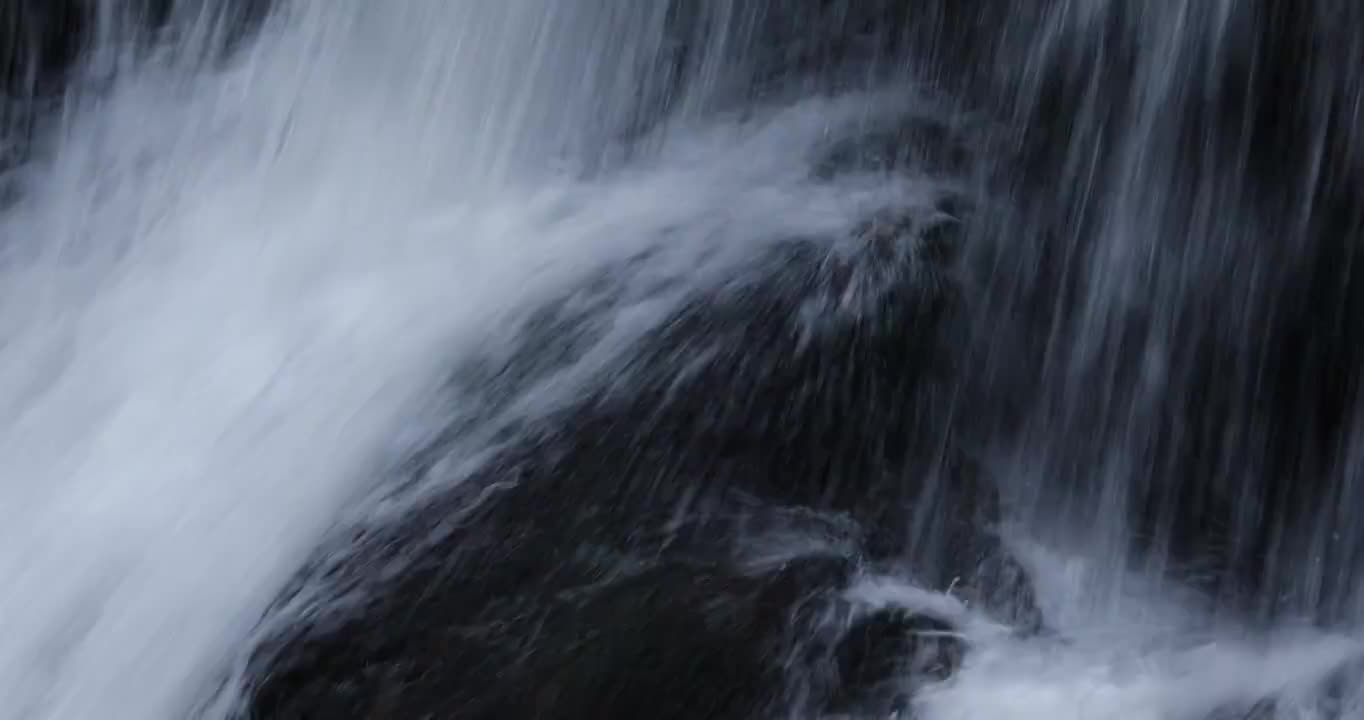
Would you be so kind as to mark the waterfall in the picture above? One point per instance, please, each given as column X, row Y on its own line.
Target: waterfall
column 650, row 358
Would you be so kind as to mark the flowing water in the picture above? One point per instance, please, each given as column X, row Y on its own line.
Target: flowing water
column 241, row 259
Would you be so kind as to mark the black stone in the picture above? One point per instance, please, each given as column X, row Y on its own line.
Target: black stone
column 671, row 641
column 595, row 565
column 886, row 655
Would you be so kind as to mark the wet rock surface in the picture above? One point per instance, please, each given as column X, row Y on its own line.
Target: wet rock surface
column 675, row 640
column 602, row 562
column 886, row 655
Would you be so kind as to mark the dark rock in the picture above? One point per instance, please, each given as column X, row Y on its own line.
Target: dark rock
column 595, row 565
column 886, row 655
column 670, row 641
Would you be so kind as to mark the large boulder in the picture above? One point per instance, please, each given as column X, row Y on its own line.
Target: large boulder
column 609, row 558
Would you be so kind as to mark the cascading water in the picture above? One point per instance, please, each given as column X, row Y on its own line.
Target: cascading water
column 723, row 359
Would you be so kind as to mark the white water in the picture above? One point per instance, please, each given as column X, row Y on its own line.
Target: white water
column 218, row 299
column 1141, row 653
